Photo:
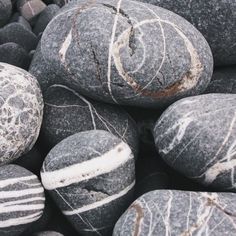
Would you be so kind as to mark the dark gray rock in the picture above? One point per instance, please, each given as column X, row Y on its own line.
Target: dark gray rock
column 17, row 33
column 45, row 17
column 214, row 19
column 61, row 3
column 169, row 212
column 24, row 22
column 22, row 199
column 47, row 233
column 5, row 11
column 146, row 57
column 21, row 110
column 14, row 54
column 223, row 81
column 67, row 112
column 91, row 176
column 196, row 136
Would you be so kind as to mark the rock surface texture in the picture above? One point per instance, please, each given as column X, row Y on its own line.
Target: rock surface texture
column 5, row 11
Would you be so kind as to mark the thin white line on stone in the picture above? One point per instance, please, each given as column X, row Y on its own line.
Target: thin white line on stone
column 6, row 182
column 21, row 208
column 64, row 47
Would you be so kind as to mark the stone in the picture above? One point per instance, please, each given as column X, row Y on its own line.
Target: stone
column 149, row 57
column 24, row 22
column 45, row 17
column 21, row 111
column 22, row 199
column 214, row 19
column 196, row 136
column 47, row 233
column 223, row 81
column 170, row 212
column 66, row 112
column 90, row 175
column 14, row 54
column 17, row 33
column 5, row 11
column 61, row 3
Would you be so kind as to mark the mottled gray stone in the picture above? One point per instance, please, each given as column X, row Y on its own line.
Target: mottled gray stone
column 145, row 56
column 67, row 112
column 21, row 112
column 5, row 11
column 90, row 176
column 169, row 212
column 22, row 199
column 196, row 136
column 215, row 19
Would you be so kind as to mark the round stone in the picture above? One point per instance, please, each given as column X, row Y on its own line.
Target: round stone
column 196, row 136
column 90, row 175
column 21, row 111
column 5, row 11
column 22, row 199
column 146, row 57
column 171, row 212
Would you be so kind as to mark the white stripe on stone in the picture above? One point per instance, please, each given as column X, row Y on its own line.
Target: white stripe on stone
column 4, row 183
column 87, row 169
column 21, row 208
column 27, row 200
column 100, row 203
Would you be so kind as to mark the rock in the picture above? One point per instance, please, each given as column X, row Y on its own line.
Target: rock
column 61, row 3
column 47, row 233
column 170, row 212
column 214, row 19
column 24, row 22
column 67, row 112
column 149, row 57
column 5, row 11
column 14, row 54
column 90, row 176
column 196, row 136
column 22, row 199
column 45, row 17
column 19, row 34
column 223, row 81
column 21, row 110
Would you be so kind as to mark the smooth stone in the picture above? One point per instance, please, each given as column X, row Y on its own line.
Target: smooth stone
column 5, row 11
column 146, row 57
column 223, row 81
column 24, row 22
column 21, row 110
column 17, row 33
column 15, row 55
column 45, row 17
column 47, row 233
column 22, row 199
column 196, row 136
column 67, row 112
column 170, row 212
column 214, row 19
column 90, row 175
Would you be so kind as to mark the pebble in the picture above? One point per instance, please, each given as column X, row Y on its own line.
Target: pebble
column 5, row 11
column 47, row 233
column 21, row 109
column 196, row 136
column 91, row 195
column 170, row 212
column 22, row 199
column 134, row 60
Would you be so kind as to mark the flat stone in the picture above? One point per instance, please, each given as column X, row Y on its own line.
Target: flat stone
column 196, row 136
column 90, row 175
column 22, row 199
column 5, row 11
column 149, row 57
column 214, row 19
column 170, row 212
column 21, row 111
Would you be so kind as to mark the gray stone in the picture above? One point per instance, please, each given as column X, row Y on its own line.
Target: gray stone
column 146, row 57
column 196, row 136
column 67, row 112
column 47, row 233
column 21, row 112
column 90, row 176
column 214, row 19
column 5, row 11
column 61, row 3
column 22, row 199
column 169, row 212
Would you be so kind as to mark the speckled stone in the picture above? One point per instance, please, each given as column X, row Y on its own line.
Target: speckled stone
column 21, row 110
column 169, row 212
column 22, row 199
column 146, row 57
column 197, row 137
column 223, row 81
column 67, row 112
column 214, row 19
column 90, row 176
column 5, row 11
